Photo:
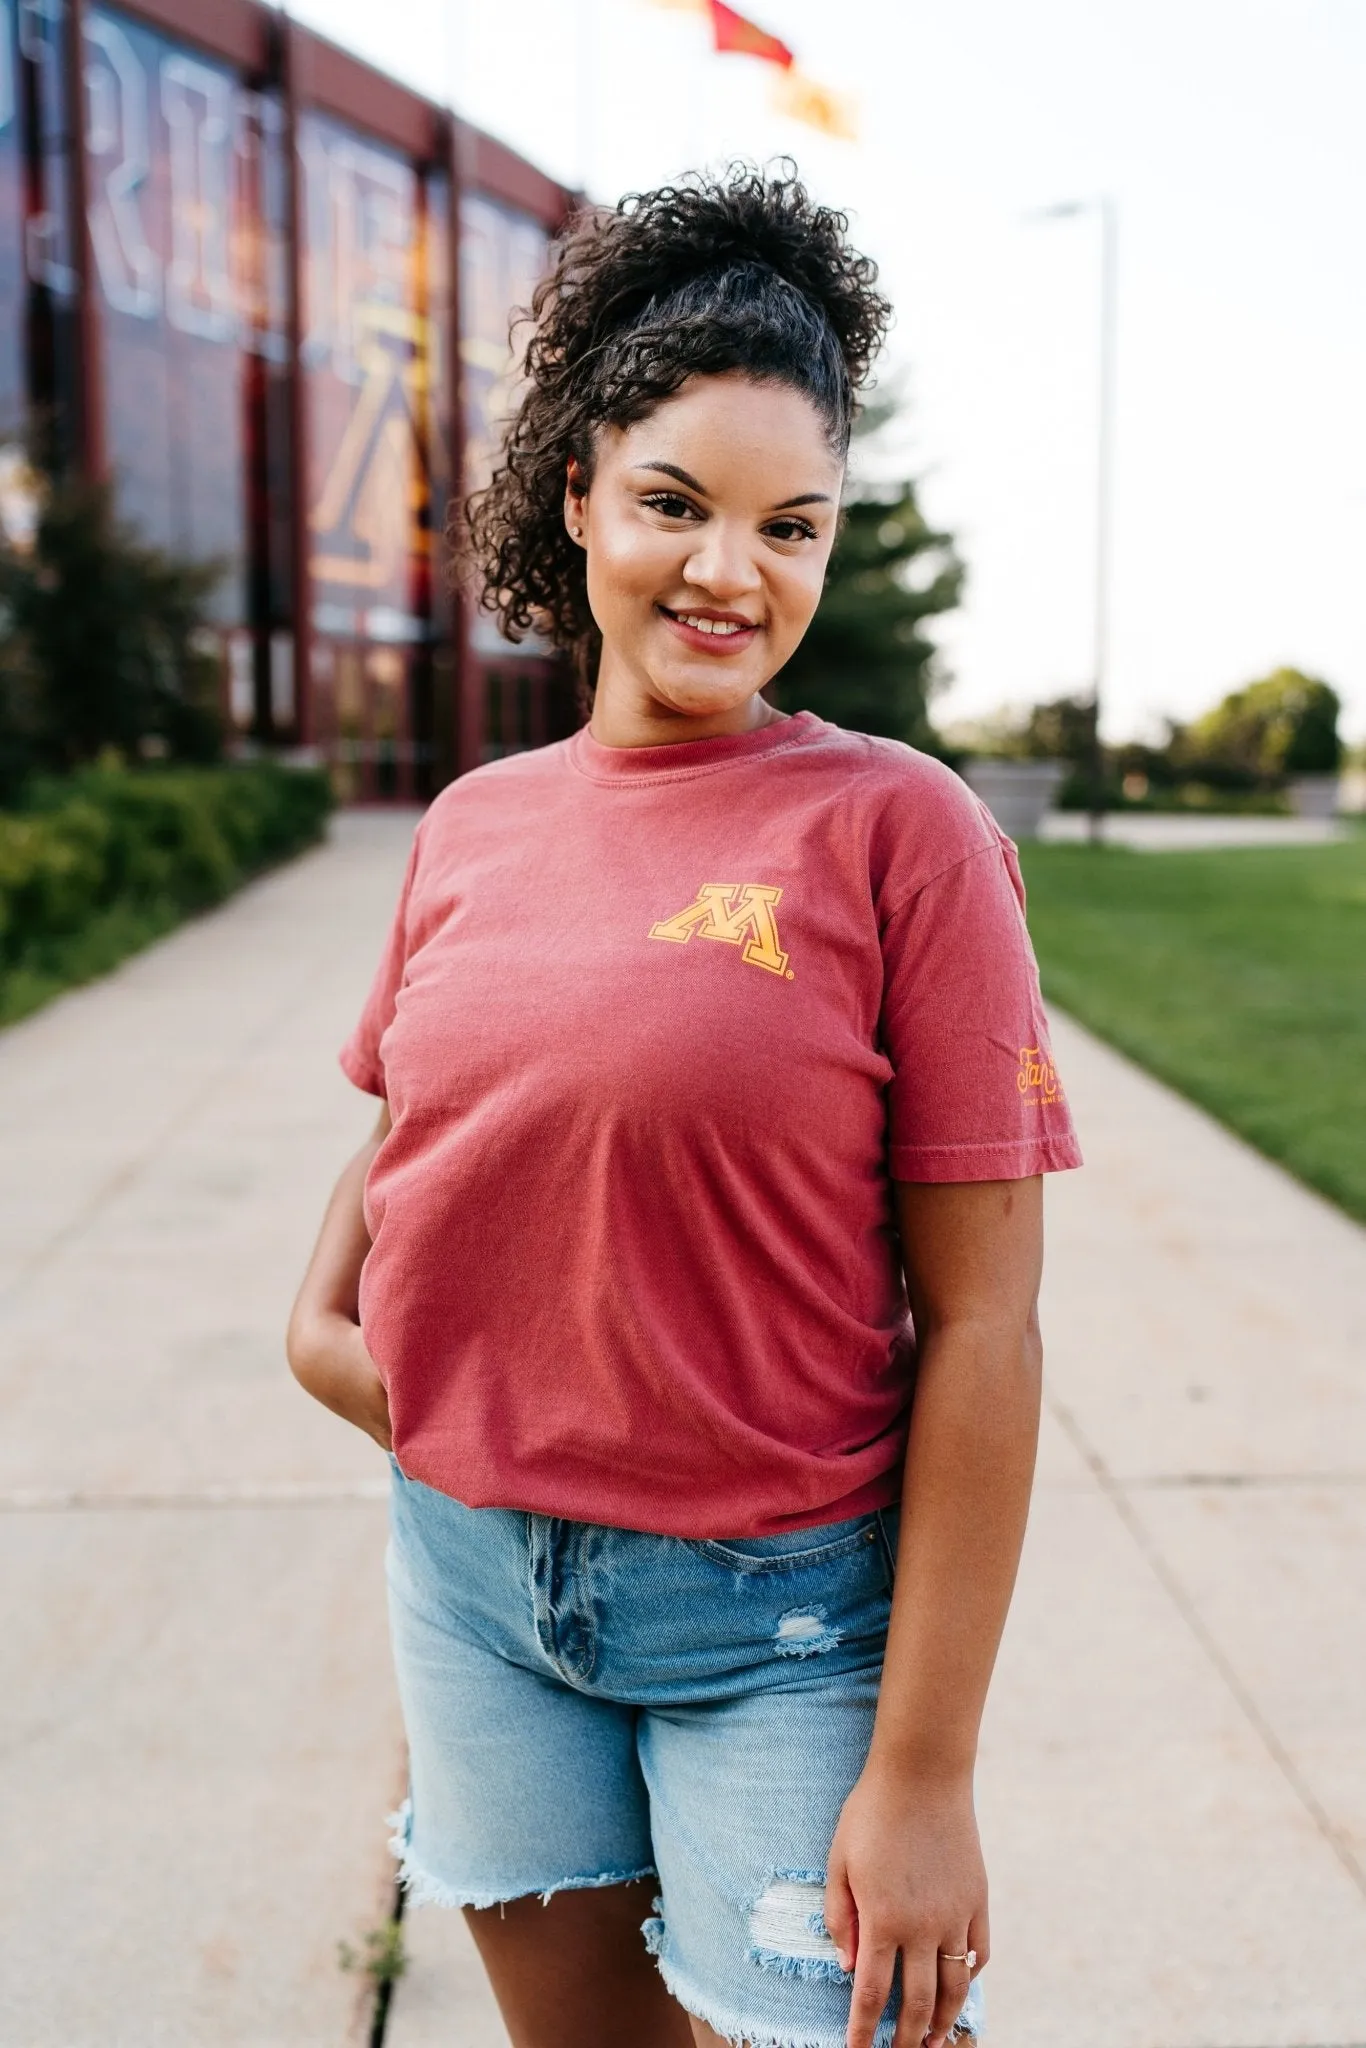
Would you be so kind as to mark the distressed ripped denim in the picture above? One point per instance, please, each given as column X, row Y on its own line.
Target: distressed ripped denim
column 590, row 1706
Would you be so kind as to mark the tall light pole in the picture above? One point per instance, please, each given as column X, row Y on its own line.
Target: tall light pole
column 1105, row 209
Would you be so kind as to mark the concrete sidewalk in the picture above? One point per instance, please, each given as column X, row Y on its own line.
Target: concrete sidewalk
column 1174, row 1773
column 198, row 1732
column 1187, row 832
column 198, row 1736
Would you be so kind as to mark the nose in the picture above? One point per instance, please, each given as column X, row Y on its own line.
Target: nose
column 722, row 565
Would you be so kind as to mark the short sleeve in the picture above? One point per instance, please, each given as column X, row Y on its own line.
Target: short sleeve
column 974, row 1094
column 359, row 1057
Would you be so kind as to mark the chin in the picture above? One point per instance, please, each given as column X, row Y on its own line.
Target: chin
column 705, row 698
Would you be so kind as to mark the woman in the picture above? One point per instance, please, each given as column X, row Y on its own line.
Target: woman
column 705, row 1040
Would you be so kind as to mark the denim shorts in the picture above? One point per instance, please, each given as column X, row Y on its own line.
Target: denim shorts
column 587, row 1706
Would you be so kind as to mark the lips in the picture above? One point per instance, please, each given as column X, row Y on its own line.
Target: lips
column 710, row 631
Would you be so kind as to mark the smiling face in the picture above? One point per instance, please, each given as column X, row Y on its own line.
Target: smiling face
column 708, row 527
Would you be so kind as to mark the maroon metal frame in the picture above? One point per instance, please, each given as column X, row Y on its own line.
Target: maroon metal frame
column 238, row 31
column 466, row 732
column 314, row 73
column 289, row 65
column 491, row 167
column 89, row 396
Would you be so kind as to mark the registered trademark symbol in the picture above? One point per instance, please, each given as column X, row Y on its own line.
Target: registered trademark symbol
column 790, row 975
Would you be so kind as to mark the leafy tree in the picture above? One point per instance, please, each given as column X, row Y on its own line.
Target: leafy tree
column 101, row 643
column 866, row 661
column 1286, row 724
column 1063, row 729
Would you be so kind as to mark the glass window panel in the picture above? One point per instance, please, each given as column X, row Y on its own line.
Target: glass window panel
column 177, row 261
column 502, row 257
column 440, row 394
column 367, row 357
column 377, row 310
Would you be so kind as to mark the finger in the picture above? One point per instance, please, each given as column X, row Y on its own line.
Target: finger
column 873, row 1969
column 841, row 1917
column 919, row 1980
column 950, row 1994
column 979, row 1939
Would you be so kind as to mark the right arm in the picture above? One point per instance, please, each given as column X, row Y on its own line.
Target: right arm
column 323, row 1343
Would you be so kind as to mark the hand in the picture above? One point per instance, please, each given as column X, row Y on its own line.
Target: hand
column 329, row 1359
column 906, row 1877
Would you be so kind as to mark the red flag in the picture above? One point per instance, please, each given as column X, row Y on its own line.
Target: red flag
column 732, row 33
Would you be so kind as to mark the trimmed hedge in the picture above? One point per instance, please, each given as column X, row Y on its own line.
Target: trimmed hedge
column 103, row 861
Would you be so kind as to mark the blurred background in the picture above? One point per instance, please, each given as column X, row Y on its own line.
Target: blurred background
column 1102, row 553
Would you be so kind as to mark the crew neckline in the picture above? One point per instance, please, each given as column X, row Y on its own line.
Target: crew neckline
column 675, row 759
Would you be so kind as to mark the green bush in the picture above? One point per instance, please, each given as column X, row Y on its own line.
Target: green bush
column 101, row 861
column 104, row 642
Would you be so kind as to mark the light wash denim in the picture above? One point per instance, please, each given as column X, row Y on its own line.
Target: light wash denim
column 587, row 1706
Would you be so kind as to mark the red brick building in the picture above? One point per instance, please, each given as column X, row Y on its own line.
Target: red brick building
column 267, row 293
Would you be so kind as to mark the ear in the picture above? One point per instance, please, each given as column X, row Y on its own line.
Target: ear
column 575, row 501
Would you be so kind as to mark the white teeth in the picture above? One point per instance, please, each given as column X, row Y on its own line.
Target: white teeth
column 709, row 625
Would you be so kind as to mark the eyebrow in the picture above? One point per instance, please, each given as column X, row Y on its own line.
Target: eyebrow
column 681, row 476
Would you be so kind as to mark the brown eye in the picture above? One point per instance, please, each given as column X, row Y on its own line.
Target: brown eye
column 669, row 503
column 791, row 529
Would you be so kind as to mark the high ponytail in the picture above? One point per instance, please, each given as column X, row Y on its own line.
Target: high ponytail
column 707, row 276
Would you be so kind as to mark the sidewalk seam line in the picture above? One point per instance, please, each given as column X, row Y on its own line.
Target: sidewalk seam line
column 1204, row 1636
column 1251, row 1482
column 37, row 1501
column 123, row 1177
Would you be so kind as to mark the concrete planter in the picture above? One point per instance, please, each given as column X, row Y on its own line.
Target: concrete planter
column 1017, row 793
column 1314, row 796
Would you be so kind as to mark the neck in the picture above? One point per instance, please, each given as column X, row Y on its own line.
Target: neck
column 625, row 714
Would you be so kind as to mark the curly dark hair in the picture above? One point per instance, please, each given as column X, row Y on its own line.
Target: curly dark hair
column 743, row 272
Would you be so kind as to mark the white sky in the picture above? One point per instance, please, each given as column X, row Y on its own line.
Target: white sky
column 1232, row 136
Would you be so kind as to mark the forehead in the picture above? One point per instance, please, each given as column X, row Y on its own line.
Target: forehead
column 726, row 428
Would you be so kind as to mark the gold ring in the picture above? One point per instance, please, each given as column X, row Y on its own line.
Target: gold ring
column 969, row 1956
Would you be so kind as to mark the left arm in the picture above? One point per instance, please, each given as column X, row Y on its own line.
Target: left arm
column 905, row 1870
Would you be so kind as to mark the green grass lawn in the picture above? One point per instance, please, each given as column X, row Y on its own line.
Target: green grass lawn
column 1239, row 977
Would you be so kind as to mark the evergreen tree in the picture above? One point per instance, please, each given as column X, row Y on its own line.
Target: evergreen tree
column 866, row 662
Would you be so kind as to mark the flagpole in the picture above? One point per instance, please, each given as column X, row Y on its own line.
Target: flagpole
column 701, row 125
column 1107, row 213
column 587, row 96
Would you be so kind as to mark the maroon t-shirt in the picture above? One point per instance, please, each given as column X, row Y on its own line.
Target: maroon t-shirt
column 658, row 1027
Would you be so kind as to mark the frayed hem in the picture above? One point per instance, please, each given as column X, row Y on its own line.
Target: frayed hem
column 743, row 2033
column 420, row 1888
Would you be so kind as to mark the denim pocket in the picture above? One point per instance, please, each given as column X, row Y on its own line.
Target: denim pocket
column 796, row 1550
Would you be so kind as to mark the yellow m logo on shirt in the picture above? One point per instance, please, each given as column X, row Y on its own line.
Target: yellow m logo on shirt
column 740, row 914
